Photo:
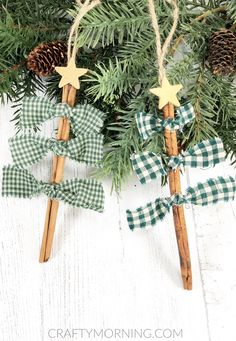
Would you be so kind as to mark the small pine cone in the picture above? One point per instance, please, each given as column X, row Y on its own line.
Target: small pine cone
column 222, row 52
column 43, row 59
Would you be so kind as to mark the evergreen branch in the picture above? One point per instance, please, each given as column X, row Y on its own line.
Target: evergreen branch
column 200, row 17
column 204, row 15
column 112, row 22
column 123, row 64
column 110, row 81
column 231, row 7
column 13, row 67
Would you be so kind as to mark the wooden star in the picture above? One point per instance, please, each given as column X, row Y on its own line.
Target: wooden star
column 70, row 74
column 167, row 93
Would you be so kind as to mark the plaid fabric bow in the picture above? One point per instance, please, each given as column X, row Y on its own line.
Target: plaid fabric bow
column 148, row 166
column 29, row 149
column 210, row 192
column 150, row 124
column 83, row 118
column 86, row 193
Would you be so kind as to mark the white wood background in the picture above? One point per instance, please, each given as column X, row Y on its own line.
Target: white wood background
column 102, row 275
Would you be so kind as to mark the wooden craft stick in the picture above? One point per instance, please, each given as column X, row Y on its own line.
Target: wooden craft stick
column 69, row 96
column 178, row 211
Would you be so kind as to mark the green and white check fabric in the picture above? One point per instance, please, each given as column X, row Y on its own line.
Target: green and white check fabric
column 84, row 118
column 205, row 154
column 86, row 193
column 148, row 166
column 29, row 149
column 150, row 124
column 211, row 192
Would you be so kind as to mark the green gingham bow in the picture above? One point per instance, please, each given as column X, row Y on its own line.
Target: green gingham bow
column 210, row 192
column 84, row 118
column 86, row 193
column 148, row 166
column 29, row 149
column 150, row 124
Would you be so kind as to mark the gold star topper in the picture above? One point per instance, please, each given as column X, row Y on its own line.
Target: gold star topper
column 70, row 74
column 167, row 93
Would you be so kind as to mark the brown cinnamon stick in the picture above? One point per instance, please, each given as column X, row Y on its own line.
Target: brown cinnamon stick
column 178, row 211
column 68, row 96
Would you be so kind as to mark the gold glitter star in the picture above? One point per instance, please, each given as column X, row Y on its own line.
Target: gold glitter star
column 167, row 93
column 70, row 74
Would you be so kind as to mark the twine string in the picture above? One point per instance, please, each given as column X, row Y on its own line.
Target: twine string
column 163, row 49
column 85, row 7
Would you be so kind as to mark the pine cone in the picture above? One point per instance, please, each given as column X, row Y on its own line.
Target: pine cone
column 43, row 59
column 222, row 52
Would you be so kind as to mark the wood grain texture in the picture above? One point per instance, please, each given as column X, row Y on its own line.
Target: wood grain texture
column 101, row 275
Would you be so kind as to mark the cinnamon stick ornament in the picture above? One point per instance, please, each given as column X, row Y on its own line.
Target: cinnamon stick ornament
column 69, row 96
column 70, row 83
column 167, row 101
column 167, row 94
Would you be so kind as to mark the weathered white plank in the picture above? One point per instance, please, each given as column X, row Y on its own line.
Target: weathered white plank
column 19, row 294
column 101, row 275
column 216, row 235
column 155, row 271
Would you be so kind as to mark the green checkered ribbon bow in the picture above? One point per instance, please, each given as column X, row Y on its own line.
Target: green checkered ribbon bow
column 150, row 124
column 148, row 166
column 210, row 192
column 86, row 193
column 29, row 149
column 83, row 118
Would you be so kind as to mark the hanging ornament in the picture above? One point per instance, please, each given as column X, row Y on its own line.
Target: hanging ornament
column 149, row 165
column 84, row 121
